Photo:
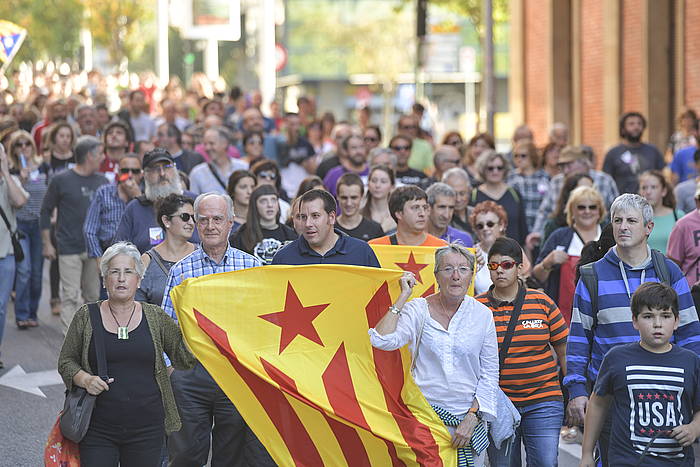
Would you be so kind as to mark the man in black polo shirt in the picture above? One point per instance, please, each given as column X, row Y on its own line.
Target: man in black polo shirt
column 320, row 242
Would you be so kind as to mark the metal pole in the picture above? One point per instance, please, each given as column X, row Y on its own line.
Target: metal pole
column 163, row 65
column 488, row 83
column 421, row 25
column 267, row 73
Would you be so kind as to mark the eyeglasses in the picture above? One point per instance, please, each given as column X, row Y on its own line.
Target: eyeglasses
column 126, row 170
column 257, row 142
column 506, row 265
column 400, row 148
column 495, row 168
column 370, row 139
column 185, row 216
column 454, row 142
column 158, row 168
column 216, row 220
column 449, row 270
column 23, row 144
column 268, row 175
column 590, row 207
column 488, row 224
column 519, row 156
column 118, row 272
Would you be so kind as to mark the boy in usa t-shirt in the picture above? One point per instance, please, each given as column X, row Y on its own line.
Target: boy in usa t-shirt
column 651, row 387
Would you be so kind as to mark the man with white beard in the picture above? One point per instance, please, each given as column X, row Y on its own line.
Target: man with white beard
column 138, row 224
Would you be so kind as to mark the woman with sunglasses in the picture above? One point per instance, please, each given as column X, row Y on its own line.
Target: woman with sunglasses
column 380, row 183
column 453, row 341
column 558, row 217
column 263, row 235
column 372, row 137
column 477, row 145
column 556, row 265
column 175, row 215
column 528, row 369
column 528, row 179
column 493, row 169
column 33, row 173
column 453, row 138
column 654, row 187
column 489, row 222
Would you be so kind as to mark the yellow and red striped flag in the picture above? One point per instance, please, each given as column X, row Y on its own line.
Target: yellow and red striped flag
column 11, row 38
column 289, row 346
column 420, row 260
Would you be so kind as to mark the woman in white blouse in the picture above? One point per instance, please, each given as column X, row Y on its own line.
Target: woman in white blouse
column 456, row 362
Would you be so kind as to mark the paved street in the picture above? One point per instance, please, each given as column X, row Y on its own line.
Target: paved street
column 26, row 416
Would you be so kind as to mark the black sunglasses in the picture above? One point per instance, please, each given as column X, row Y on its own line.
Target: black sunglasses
column 590, row 207
column 488, row 224
column 185, row 216
column 126, row 170
column 401, row 148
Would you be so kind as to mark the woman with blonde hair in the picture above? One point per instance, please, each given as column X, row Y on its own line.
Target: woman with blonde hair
column 556, row 264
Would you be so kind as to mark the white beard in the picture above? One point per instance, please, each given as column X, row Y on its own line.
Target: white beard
column 154, row 192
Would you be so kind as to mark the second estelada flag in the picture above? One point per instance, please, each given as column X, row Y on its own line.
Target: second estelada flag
column 289, row 347
column 420, row 260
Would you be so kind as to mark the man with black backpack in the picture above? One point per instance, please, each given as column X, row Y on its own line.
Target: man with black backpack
column 602, row 317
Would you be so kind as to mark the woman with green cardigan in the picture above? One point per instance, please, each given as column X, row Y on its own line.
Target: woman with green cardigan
column 135, row 407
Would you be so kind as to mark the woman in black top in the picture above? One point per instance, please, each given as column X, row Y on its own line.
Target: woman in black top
column 263, row 235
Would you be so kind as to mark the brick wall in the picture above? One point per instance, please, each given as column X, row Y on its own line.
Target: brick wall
column 537, row 68
column 592, row 68
column 692, row 54
column 631, row 55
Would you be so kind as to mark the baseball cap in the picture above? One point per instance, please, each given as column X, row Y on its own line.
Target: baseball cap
column 570, row 154
column 156, row 155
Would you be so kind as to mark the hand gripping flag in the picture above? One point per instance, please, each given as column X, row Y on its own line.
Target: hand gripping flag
column 289, row 346
column 11, row 38
column 420, row 260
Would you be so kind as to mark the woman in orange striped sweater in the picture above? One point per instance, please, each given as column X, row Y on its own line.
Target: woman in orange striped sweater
column 528, row 369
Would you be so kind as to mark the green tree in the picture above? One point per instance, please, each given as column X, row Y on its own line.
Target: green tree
column 53, row 27
column 119, row 26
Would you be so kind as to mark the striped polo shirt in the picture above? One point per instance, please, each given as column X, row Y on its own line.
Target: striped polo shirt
column 529, row 373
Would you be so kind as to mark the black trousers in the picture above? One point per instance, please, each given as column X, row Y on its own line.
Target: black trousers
column 112, row 446
column 201, row 403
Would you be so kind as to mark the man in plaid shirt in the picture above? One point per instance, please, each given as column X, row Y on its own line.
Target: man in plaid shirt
column 572, row 160
column 198, row 397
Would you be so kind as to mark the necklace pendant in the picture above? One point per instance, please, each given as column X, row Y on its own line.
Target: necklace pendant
column 122, row 332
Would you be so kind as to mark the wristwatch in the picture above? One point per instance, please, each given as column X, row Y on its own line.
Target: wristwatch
column 394, row 310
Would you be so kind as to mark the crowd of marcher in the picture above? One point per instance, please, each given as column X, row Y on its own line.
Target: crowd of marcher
column 127, row 189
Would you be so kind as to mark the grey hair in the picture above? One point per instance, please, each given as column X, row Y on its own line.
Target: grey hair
column 226, row 198
column 122, row 248
column 439, row 189
column 222, row 132
column 456, row 172
column 80, row 108
column 558, row 126
column 454, row 248
column 376, row 152
column 486, row 157
column 632, row 201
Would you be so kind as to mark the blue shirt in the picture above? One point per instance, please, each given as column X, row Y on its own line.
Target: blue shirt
column 102, row 218
column 347, row 250
column 683, row 164
column 198, row 264
column 453, row 235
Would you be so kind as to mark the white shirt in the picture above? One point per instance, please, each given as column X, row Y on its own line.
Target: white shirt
column 453, row 365
column 482, row 279
column 202, row 180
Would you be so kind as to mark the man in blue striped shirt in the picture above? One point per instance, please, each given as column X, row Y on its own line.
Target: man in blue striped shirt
column 623, row 268
column 199, row 399
column 108, row 205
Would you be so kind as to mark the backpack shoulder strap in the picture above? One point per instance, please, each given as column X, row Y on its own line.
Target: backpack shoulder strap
column 393, row 239
column 659, row 261
column 514, row 193
column 590, row 279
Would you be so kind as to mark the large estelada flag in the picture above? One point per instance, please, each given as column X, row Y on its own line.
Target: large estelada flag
column 289, row 346
column 420, row 260
column 11, row 38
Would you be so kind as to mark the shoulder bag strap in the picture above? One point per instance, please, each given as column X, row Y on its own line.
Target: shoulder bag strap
column 517, row 306
column 216, row 176
column 98, row 335
column 393, row 239
column 156, row 257
column 4, row 218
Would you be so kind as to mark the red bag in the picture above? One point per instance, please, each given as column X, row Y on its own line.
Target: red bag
column 567, row 276
column 60, row 451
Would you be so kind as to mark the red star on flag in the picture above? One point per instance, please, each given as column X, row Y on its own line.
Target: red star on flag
column 412, row 266
column 649, row 396
column 641, row 397
column 656, row 396
column 296, row 319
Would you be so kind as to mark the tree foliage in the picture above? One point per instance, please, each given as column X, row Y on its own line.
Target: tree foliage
column 53, row 26
column 117, row 25
column 471, row 9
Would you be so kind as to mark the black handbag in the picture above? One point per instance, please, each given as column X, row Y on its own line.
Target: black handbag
column 15, row 237
column 77, row 409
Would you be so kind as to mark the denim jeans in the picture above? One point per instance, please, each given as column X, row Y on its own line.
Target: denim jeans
column 539, row 432
column 29, row 272
column 7, row 279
